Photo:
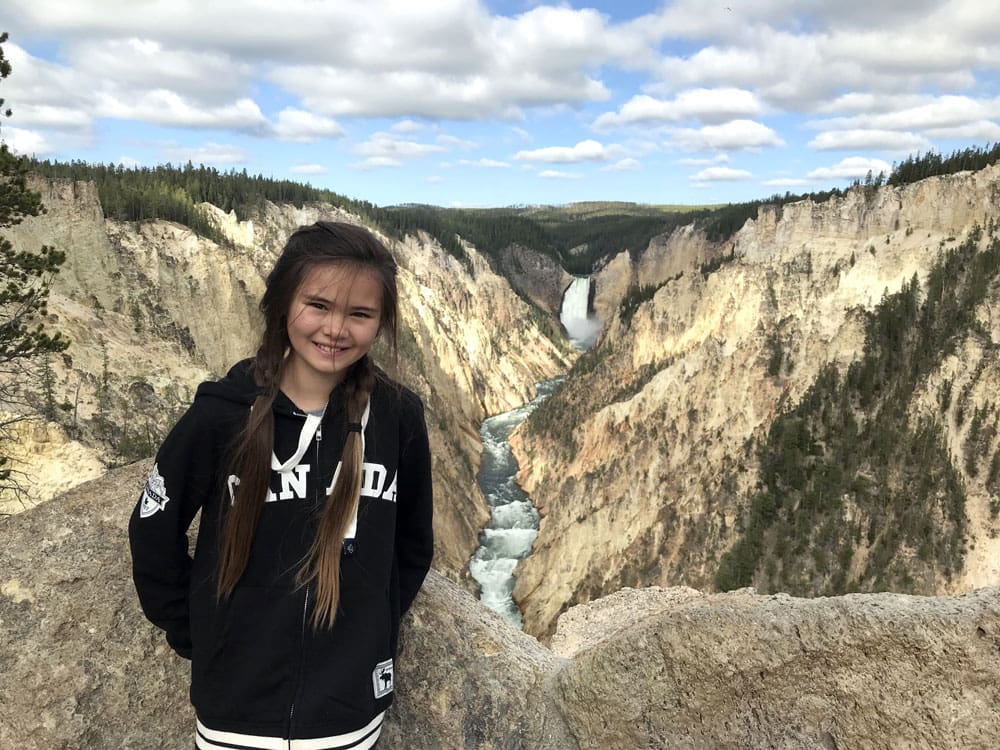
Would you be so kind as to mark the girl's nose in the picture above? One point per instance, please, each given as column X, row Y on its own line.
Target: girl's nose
column 333, row 322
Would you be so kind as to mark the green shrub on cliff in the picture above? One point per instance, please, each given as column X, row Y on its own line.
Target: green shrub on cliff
column 848, row 468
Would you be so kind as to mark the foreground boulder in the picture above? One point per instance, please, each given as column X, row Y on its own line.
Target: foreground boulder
column 645, row 668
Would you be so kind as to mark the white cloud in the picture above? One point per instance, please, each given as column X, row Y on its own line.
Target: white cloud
column 365, row 92
column 891, row 77
column 485, row 163
column 802, row 60
column 521, row 135
column 387, row 149
column 720, row 174
column 407, row 126
column 453, row 142
column 42, row 92
column 693, row 162
column 876, row 140
column 53, row 117
column 851, row 168
column 454, row 60
column 162, row 107
column 983, row 130
column 788, row 182
column 625, row 165
column 305, row 127
column 449, row 59
column 708, row 105
column 738, row 135
column 554, row 174
column 25, row 142
column 132, row 80
column 939, row 112
column 869, row 102
column 209, row 153
column 434, row 179
column 378, row 162
column 588, row 150
column 308, row 169
column 131, row 65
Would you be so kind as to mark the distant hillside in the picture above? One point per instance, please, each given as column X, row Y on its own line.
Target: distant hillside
column 577, row 235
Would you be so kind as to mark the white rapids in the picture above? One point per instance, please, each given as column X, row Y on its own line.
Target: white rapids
column 513, row 523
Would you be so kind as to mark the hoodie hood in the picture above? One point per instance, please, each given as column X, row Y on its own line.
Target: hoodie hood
column 237, row 386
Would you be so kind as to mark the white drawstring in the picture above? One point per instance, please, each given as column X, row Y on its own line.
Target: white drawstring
column 305, row 437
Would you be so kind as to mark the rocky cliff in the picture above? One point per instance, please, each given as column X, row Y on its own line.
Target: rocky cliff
column 536, row 276
column 645, row 464
column 640, row 669
column 152, row 309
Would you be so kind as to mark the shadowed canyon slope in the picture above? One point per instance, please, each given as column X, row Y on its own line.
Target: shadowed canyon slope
column 152, row 309
column 664, row 445
column 641, row 669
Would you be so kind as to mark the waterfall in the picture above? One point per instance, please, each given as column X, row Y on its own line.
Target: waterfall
column 575, row 314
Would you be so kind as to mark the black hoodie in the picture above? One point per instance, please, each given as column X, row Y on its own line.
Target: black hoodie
column 259, row 668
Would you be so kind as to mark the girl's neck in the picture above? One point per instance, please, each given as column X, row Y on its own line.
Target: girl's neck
column 307, row 390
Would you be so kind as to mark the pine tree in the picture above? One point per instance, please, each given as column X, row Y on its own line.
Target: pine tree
column 25, row 277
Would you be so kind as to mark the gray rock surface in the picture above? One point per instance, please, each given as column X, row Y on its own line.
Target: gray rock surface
column 647, row 668
column 535, row 275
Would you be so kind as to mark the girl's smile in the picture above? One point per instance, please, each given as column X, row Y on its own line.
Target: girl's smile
column 332, row 323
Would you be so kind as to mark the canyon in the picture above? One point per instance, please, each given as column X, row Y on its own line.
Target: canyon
column 644, row 460
column 646, row 466
column 152, row 309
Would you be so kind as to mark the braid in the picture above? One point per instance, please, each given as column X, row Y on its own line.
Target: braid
column 323, row 559
column 251, row 462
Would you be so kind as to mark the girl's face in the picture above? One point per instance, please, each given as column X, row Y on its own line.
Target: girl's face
column 333, row 321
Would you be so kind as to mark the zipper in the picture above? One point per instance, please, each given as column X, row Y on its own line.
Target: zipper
column 320, row 482
column 305, row 615
column 298, row 679
column 305, row 604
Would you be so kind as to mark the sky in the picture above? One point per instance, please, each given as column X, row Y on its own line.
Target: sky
column 507, row 102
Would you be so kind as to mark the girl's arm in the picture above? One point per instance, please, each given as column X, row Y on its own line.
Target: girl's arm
column 415, row 504
column 182, row 477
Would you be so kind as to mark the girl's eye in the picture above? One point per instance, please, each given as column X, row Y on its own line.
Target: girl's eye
column 361, row 314
column 317, row 305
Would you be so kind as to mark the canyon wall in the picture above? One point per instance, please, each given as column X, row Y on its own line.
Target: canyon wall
column 534, row 275
column 643, row 463
column 649, row 668
column 152, row 309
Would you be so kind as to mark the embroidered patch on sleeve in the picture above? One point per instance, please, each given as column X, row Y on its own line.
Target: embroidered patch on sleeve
column 154, row 494
column 382, row 678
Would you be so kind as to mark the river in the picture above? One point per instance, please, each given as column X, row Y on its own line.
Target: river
column 513, row 523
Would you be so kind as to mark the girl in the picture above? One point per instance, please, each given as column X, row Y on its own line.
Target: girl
column 312, row 473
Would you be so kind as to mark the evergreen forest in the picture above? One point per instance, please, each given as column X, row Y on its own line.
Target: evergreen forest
column 577, row 236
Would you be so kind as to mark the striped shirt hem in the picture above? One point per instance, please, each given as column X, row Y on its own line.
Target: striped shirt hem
column 360, row 739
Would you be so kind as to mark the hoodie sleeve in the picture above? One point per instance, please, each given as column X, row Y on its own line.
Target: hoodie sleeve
column 415, row 505
column 183, row 476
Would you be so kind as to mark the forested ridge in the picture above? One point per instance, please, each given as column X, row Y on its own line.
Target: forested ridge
column 577, row 236
column 174, row 193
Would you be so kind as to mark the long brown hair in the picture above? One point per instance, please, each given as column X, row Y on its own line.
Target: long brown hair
column 322, row 243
